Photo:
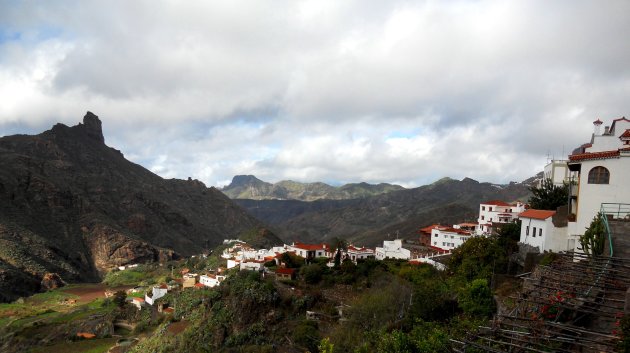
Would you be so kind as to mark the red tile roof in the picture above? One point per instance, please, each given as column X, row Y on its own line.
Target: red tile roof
column 468, row 224
column 198, row 285
column 429, row 228
column 285, row 271
column 496, row 203
column 353, row 248
column 593, row 155
column 626, row 134
column 310, row 247
column 537, row 214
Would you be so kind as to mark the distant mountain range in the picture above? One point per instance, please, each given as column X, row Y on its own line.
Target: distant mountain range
column 71, row 205
column 250, row 187
column 370, row 220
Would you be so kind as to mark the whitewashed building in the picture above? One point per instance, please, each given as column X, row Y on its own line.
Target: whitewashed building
column 354, row 253
column 539, row 231
column 603, row 169
column 557, row 170
column 211, row 280
column 157, row 292
column 310, row 251
column 448, row 238
column 497, row 211
column 392, row 250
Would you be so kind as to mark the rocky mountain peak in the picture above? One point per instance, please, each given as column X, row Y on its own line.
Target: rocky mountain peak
column 93, row 127
column 243, row 180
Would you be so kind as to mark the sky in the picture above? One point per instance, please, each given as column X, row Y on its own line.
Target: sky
column 404, row 92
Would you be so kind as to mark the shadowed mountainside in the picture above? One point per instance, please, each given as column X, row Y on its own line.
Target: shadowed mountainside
column 250, row 187
column 69, row 204
column 369, row 221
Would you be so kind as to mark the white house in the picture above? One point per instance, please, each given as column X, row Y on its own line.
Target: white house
column 354, row 254
column 603, row 169
column 392, row 249
column 496, row 211
column 211, row 280
column 156, row 293
column 310, row 251
column 538, row 230
column 252, row 265
column 448, row 238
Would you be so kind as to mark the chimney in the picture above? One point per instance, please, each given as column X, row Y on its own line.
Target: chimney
column 596, row 124
column 607, row 130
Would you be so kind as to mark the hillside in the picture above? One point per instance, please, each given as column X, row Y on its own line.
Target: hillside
column 370, row 220
column 250, row 187
column 72, row 205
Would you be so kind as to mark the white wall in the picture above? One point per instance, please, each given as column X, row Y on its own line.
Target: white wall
column 552, row 238
column 591, row 196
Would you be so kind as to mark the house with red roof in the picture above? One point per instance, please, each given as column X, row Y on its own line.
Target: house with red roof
column 538, row 230
column 285, row 274
column 425, row 234
column 493, row 213
column 310, row 251
column 354, row 253
column 603, row 172
column 448, row 238
column 138, row 302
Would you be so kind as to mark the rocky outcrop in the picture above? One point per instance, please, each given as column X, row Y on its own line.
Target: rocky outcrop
column 110, row 248
column 71, row 205
column 52, row 281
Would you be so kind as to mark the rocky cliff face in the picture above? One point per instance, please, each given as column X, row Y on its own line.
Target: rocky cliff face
column 71, row 205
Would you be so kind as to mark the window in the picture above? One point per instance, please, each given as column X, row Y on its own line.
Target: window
column 534, row 232
column 483, row 217
column 483, row 208
column 540, row 232
column 598, row 175
column 490, row 209
column 436, row 235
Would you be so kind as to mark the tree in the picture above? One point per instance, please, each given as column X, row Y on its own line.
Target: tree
column 548, row 196
column 593, row 239
column 120, row 298
column 476, row 299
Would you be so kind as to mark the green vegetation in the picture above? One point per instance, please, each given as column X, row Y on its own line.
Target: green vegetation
column 126, row 277
column 548, row 196
column 594, row 238
column 371, row 306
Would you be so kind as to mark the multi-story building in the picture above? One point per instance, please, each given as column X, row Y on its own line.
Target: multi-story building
column 448, row 238
column 603, row 171
column 495, row 212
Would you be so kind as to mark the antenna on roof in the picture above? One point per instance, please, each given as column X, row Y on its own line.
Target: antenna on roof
column 547, row 156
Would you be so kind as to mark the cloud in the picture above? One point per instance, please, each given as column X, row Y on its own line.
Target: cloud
column 373, row 91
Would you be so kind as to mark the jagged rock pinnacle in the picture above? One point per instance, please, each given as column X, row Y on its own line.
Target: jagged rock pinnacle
column 93, row 127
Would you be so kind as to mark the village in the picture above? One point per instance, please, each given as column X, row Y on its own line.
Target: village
column 602, row 188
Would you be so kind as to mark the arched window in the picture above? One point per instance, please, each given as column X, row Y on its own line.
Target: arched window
column 598, row 175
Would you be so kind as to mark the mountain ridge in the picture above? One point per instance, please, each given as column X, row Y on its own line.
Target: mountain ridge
column 250, row 187
column 72, row 205
column 370, row 219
